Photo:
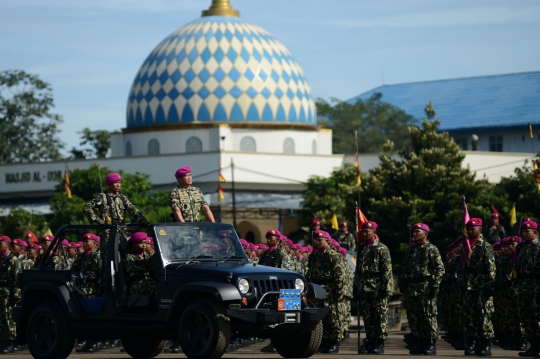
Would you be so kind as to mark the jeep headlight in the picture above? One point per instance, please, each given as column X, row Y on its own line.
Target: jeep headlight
column 299, row 284
column 243, row 285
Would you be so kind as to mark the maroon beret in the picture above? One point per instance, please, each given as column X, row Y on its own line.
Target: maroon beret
column 138, row 237
column 369, row 225
column 529, row 224
column 262, row 246
column 112, row 177
column 91, row 236
column 421, row 226
column 47, row 237
column 273, row 232
column 474, row 222
column 182, row 171
column 19, row 242
column 5, row 239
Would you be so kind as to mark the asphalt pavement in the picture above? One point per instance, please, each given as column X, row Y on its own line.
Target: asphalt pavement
column 395, row 347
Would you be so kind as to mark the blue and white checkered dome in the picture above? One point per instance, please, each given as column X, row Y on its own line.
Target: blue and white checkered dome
column 219, row 69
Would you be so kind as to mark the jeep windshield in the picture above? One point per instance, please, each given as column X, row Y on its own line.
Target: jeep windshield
column 199, row 241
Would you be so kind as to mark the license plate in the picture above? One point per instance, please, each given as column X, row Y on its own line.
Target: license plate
column 289, row 299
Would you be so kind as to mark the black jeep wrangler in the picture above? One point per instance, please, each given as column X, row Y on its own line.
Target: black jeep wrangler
column 208, row 293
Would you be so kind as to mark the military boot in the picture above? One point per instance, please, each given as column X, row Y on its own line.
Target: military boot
column 269, row 348
column 521, row 344
column 333, row 348
column 90, row 346
column 529, row 352
column 378, row 347
column 174, row 348
column 419, row 347
column 8, row 348
column 367, row 346
column 471, row 346
column 431, row 348
column 485, row 348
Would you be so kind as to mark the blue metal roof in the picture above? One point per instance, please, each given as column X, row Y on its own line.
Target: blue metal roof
column 479, row 103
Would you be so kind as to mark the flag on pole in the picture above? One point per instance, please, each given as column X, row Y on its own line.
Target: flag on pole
column 356, row 164
column 360, row 219
column 67, row 182
column 334, row 222
column 531, row 131
column 48, row 232
column 31, row 237
column 220, row 193
column 466, row 218
column 221, row 178
column 513, row 216
column 315, row 220
column 466, row 242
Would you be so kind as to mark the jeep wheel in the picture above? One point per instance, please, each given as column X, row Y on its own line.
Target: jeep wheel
column 204, row 330
column 48, row 333
column 141, row 347
column 299, row 346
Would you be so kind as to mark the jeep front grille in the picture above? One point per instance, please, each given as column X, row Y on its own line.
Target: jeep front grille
column 272, row 285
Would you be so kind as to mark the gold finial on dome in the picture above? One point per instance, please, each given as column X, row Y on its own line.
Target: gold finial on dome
column 221, row 8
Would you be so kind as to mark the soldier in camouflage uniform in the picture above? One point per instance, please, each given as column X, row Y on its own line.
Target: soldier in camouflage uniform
column 348, row 272
column 86, row 267
column 32, row 254
column 422, row 272
column 138, row 267
column 56, row 259
column 527, row 270
column 478, row 278
column 274, row 256
column 8, row 276
column 495, row 232
column 500, row 256
column 111, row 209
column 373, row 285
column 187, row 201
column 72, row 253
column 345, row 238
column 452, row 295
column 325, row 267
column 511, row 333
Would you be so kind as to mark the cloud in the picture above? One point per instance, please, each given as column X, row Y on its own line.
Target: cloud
column 462, row 17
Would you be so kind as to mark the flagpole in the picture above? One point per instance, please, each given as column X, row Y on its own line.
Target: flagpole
column 233, row 194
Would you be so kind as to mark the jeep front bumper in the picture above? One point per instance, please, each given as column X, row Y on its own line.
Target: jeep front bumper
column 267, row 316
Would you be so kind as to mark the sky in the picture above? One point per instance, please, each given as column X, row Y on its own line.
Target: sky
column 90, row 51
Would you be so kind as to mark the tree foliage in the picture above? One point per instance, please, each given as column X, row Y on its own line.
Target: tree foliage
column 19, row 221
column 374, row 120
column 98, row 140
column 27, row 127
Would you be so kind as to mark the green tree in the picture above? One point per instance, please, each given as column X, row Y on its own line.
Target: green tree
column 27, row 127
column 374, row 120
column 86, row 183
column 99, row 141
column 18, row 221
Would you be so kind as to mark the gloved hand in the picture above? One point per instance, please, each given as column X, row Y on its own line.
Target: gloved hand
column 99, row 221
column 433, row 291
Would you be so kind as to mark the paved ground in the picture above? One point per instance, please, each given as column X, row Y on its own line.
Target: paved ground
column 395, row 347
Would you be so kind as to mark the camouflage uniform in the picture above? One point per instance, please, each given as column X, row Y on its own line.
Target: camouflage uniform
column 190, row 201
column 373, row 281
column 113, row 206
column 345, row 305
column 422, row 270
column 479, row 279
column 8, row 276
column 452, row 297
column 140, row 274
column 495, row 234
column 276, row 258
column 86, row 270
column 528, row 275
column 326, row 270
column 506, row 320
column 346, row 240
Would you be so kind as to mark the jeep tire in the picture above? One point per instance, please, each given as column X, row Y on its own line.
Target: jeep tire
column 48, row 332
column 299, row 346
column 141, row 347
column 204, row 330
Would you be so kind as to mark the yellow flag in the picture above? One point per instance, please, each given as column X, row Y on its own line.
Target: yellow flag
column 48, row 232
column 334, row 222
column 513, row 217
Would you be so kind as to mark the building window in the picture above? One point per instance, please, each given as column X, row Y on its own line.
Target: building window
column 247, row 144
column 193, row 145
column 153, row 147
column 496, row 143
column 463, row 143
column 128, row 148
column 288, row 145
column 314, row 147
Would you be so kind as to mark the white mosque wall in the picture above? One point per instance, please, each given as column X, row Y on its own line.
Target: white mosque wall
column 175, row 141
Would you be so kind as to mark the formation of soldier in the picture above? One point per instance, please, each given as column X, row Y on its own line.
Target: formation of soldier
column 479, row 276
